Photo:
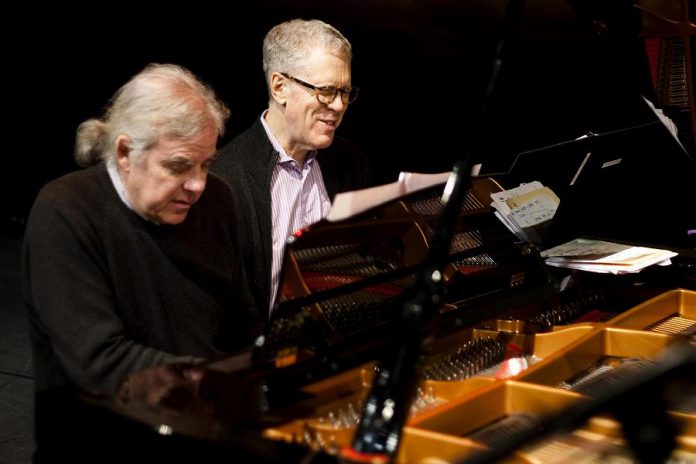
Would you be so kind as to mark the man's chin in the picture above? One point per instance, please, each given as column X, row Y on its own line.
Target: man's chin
column 323, row 142
column 172, row 219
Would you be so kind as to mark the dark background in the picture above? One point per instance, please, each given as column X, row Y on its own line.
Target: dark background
column 422, row 68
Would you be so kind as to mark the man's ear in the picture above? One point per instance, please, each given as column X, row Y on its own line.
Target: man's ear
column 278, row 88
column 123, row 149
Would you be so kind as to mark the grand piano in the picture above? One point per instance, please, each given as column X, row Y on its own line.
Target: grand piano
column 512, row 359
column 511, row 352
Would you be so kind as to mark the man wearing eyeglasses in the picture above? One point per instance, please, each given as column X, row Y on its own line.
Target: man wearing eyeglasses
column 285, row 169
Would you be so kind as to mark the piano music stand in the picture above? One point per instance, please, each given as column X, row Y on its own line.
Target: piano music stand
column 556, row 166
column 637, row 186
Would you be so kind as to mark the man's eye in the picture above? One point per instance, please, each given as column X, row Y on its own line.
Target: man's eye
column 177, row 167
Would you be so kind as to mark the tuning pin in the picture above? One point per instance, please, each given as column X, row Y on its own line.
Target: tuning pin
column 353, row 413
column 320, row 443
column 307, row 436
column 332, row 447
column 330, row 419
column 431, row 394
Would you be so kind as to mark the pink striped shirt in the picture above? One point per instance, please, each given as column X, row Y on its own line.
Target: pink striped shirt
column 298, row 199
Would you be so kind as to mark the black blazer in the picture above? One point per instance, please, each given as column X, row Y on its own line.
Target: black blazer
column 246, row 164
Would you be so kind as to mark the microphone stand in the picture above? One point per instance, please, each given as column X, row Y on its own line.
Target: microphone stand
column 388, row 403
column 387, row 406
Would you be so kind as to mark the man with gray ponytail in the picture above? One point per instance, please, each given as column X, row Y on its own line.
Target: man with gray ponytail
column 132, row 262
column 285, row 169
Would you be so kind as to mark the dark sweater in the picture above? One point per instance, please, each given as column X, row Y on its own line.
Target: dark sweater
column 109, row 293
column 246, row 164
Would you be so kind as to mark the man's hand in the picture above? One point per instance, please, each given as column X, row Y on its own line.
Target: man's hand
column 172, row 385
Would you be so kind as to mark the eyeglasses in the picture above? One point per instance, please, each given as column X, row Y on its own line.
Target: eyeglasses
column 327, row 95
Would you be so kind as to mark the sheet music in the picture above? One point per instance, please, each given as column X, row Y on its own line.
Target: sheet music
column 414, row 181
column 526, row 209
column 500, row 199
column 605, row 257
column 534, row 211
column 348, row 204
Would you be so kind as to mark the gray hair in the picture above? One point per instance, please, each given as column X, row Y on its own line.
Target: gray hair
column 162, row 100
column 288, row 44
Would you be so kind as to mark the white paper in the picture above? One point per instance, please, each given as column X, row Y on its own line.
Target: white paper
column 525, row 209
column 349, row 204
column 605, row 257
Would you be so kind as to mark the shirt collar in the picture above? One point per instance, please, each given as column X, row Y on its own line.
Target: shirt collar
column 118, row 183
column 283, row 157
column 121, row 189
